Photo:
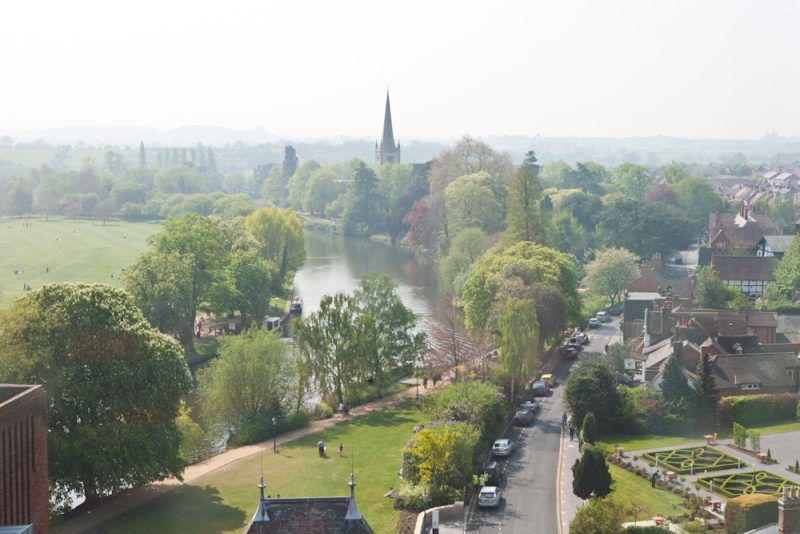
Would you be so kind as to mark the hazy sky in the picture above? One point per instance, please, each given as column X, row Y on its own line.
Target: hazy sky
column 298, row 68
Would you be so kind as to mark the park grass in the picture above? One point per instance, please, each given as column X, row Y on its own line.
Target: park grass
column 225, row 500
column 628, row 489
column 644, row 441
column 777, row 428
column 74, row 251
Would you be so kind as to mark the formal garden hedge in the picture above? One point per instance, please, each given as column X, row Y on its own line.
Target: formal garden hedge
column 753, row 410
column 748, row 512
column 691, row 460
column 737, row 484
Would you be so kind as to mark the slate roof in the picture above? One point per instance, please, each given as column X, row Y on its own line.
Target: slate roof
column 778, row 243
column 307, row 515
column 769, row 370
column 745, row 267
column 738, row 229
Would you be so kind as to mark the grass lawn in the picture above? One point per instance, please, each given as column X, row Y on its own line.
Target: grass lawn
column 776, row 428
column 74, row 251
column 629, row 488
column 225, row 500
column 644, row 441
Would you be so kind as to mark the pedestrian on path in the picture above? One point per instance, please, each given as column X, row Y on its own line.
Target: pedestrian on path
column 341, row 450
column 564, row 420
column 571, row 432
column 321, row 447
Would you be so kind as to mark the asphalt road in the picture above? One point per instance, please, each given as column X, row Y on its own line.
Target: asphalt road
column 530, row 489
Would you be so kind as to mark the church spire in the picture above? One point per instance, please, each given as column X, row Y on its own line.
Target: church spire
column 387, row 151
column 387, row 141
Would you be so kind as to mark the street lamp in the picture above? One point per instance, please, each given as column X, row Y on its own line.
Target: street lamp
column 274, row 435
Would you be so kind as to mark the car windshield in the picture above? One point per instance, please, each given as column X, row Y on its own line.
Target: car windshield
column 487, row 493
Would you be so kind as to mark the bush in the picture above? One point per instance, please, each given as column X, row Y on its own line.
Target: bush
column 412, row 497
column 749, row 512
column 739, row 435
column 759, row 409
column 694, row 527
column 647, row 530
column 322, row 410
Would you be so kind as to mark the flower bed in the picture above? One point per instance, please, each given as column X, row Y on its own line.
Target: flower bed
column 737, row 484
column 692, row 460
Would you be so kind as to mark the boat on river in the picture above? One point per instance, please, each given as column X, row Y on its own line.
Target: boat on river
column 296, row 305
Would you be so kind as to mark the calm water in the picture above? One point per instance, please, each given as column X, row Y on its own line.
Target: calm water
column 336, row 264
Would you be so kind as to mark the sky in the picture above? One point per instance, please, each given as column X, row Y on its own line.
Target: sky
column 303, row 68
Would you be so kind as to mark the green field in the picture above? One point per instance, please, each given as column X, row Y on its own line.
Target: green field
column 73, row 251
column 629, row 489
column 225, row 500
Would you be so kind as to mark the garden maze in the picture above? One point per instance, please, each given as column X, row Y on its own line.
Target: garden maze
column 692, row 460
column 737, row 484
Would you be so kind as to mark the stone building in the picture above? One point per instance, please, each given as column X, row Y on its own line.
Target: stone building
column 23, row 459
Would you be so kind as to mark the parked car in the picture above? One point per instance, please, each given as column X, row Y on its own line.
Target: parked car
column 494, row 477
column 489, row 497
column 540, row 388
column 603, row 317
column 523, row 417
column 579, row 337
column 502, row 447
column 549, row 379
column 616, row 310
column 530, row 405
column 570, row 352
column 574, row 345
column 594, row 322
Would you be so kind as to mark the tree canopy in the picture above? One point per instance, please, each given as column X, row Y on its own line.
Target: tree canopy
column 611, row 271
column 279, row 232
column 114, row 385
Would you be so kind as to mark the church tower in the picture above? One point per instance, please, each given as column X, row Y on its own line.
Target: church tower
column 387, row 152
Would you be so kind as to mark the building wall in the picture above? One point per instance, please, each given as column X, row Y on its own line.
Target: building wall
column 23, row 460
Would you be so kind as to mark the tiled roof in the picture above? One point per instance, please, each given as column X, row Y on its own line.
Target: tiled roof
column 306, row 515
column 778, row 243
column 769, row 370
column 745, row 267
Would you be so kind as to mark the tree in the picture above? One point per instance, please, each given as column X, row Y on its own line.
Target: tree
column 160, row 285
column 290, row 161
column 674, row 385
column 787, row 274
column 468, row 156
column 697, row 198
column 211, row 160
column 589, row 428
column 443, row 455
column 142, row 155
column 589, row 177
column 705, row 387
column 361, row 211
column 590, row 474
column 470, row 203
column 710, row 291
column 583, row 206
column 328, row 341
column 18, row 199
column 591, row 388
column 632, row 180
column 280, row 235
column 386, row 328
column 321, row 190
column 248, row 384
column 298, row 182
column 400, row 185
column 598, row 516
column 611, row 271
column 113, row 383
column 519, row 338
column 524, row 221
column 468, row 245
column 673, row 173
column 253, row 281
column 199, row 240
column 178, row 179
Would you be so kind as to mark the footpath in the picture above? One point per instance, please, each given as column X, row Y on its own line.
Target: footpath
column 128, row 500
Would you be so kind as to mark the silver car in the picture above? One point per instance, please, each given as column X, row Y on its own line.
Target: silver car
column 502, row 447
column 489, row 497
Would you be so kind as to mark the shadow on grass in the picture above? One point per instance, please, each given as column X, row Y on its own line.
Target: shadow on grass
column 188, row 509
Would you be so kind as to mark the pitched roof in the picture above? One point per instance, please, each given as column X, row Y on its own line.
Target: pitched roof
column 745, row 267
column 778, row 243
column 387, row 140
column 768, row 370
column 738, row 229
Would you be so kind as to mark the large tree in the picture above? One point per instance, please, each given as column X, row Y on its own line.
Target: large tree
column 290, row 161
column 632, row 180
column 697, row 199
column 279, row 232
column 590, row 475
column 674, row 384
column 470, row 203
column 363, row 202
column 611, row 271
column 787, row 274
column 113, row 383
column 524, row 220
column 592, row 388
column 711, row 292
column 249, row 383
column 705, row 387
column 200, row 240
column 599, row 516
column 519, row 339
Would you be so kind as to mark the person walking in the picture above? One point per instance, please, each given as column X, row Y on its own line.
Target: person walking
column 321, row 447
column 571, row 432
column 341, row 450
column 564, row 420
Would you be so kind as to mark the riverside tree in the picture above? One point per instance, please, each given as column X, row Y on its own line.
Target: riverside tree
column 114, row 386
column 519, row 338
column 279, row 232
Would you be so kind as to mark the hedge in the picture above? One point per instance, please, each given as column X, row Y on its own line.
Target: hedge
column 749, row 512
column 647, row 530
column 753, row 410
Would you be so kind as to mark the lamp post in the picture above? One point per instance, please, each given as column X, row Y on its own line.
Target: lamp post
column 274, row 435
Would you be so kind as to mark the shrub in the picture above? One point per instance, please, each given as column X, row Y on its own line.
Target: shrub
column 413, row 497
column 322, row 410
column 748, row 512
column 755, row 440
column 758, row 409
column 694, row 527
column 739, row 435
column 647, row 530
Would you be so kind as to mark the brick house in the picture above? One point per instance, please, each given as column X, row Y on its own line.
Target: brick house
column 332, row 515
column 744, row 374
column 742, row 229
column 23, row 458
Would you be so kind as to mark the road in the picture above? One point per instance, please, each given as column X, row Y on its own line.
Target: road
column 530, row 488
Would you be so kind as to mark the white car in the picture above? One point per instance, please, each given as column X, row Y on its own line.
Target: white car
column 502, row 447
column 489, row 497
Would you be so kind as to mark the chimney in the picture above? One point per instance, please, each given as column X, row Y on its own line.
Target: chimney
column 789, row 511
column 745, row 209
column 677, row 350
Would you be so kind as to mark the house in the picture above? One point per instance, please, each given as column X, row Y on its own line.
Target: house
column 653, row 278
column 748, row 274
column 742, row 229
column 23, row 456
column 743, row 374
column 788, row 180
column 332, row 515
column 774, row 245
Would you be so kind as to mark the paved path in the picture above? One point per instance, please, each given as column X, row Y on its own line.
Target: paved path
column 128, row 500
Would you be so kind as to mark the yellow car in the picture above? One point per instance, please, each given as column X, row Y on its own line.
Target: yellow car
column 550, row 380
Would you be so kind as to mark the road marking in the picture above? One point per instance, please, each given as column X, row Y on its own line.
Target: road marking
column 559, row 508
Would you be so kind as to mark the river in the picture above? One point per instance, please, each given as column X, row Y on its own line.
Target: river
column 336, row 264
